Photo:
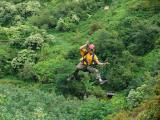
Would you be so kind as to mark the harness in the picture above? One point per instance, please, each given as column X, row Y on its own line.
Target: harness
column 85, row 59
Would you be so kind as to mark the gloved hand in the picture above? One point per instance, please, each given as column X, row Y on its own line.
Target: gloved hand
column 106, row 63
column 87, row 42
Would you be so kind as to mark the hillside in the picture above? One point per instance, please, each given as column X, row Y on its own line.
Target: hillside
column 39, row 49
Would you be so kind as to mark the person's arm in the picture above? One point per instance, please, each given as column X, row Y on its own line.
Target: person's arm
column 100, row 63
column 84, row 46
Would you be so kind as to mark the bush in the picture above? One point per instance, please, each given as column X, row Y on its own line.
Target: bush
column 157, row 43
column 130, row 21
column 94, row 27
column 8, row 12
column 123, row 71
column 74, row 18
column 53, row 69
column 107, row 46
column 81, row 88
column 6, row 55
column 152, row 110
column 73, row 54
column 93, row 110
column 145, row 7
column 28, row 102
column 141, row 39
column 64, row 24
column 17, row 35
column 23, row 57
column 69, row 13
column 44, row 18
column 29, row 8
column 156, row 68
column 13, row 14
column 135, row 97
column 12, row 35
column 144, row 40
column 34, row 42
column 27, row 73
column 120, row 77
column 108, row 2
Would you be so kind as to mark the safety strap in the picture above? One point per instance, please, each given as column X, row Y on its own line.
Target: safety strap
column 85, row 60
column 93, row 62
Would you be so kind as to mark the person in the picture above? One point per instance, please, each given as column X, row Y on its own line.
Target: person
column 87, row 62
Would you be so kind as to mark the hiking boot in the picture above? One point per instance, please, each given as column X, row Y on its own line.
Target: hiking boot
column 70, row 78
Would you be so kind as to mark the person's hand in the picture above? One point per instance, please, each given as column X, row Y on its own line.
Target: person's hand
column 106, row 63
column 87, row 42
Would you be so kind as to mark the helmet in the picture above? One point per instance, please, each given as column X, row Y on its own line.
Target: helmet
column 91, row 46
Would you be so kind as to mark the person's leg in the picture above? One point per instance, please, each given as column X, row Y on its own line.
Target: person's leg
column 94, row 71
column 79, row 67
column 97, row 74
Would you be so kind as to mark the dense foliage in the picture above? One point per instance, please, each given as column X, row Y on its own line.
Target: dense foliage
column 39, row 43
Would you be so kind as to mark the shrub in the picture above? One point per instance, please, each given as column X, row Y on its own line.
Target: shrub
column 81, row 88
column 29, row 8
column 75, row 18
column 119, row 77
column 28, row 102
column 144, row 40
column 17, row 35
column 130, row 21
column 74, row 88
column 108, row 2
column 27, row 73
column 69, row 13
column 107, row 46
column 145, row 7
column 94, row 27
column 157, row 43
column 24, row 56
column 99, row 109
column 12, row 35
column 64, row 24
column 21, row 35
column 53, row 69
column 155, row 21
column 120, row 74
column 156, row 68
column 6, row 55
column 73, row 54
column 8, row 12
column 44, row 18
column 151, row 111
column 34, row 42
column 93, row 110
column 135, row 97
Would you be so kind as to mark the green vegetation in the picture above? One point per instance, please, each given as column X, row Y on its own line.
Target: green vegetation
column 39, row 43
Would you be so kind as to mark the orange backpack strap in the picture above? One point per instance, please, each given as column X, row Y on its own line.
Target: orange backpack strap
column 84, row 58
column 83, row 52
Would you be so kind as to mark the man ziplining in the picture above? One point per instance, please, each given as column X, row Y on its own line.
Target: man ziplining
column 88, row 59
